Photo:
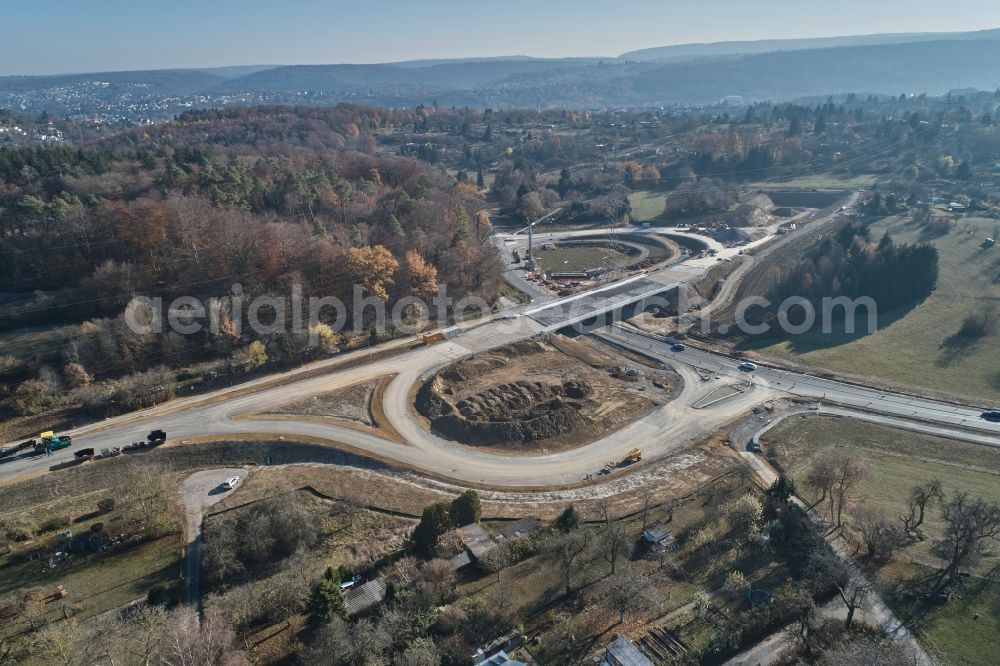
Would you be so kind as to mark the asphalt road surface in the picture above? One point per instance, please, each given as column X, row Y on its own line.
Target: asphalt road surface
column 228, row 414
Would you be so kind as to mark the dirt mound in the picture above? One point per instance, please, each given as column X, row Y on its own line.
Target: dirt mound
column 758, row 199
column 519, row 412
column 747, row 215
column 551, row 390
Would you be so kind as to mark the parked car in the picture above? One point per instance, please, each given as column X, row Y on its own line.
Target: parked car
column 231, row 482
column 678, row 347
column 753, row 447
column 991, row 415
column 747, row 366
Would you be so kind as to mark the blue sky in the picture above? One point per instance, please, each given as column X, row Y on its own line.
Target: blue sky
column 50, row 36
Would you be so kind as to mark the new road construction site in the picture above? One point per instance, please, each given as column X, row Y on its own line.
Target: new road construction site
column 542, row 395
column 569, row 397
column 560, row 382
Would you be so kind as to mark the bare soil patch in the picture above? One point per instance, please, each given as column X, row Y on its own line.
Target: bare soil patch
column 406, row 493
column 548, row 393
column 356, row 406
column 353, row 403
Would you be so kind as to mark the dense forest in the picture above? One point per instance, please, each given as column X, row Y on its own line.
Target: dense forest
column 267, row 198
column 253, row 196
column 849, row 263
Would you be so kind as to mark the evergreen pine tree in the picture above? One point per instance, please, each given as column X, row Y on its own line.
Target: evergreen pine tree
column 326, row 601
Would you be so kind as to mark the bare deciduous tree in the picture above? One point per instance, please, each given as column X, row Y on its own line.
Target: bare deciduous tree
column 497, row 559
column 855, row 593
column 920, row 497
column 614, row 536
column 879, row 534
column 186, row 643
column 838, row 478
column 970, row 523
column 626, row 591
column 564, row 551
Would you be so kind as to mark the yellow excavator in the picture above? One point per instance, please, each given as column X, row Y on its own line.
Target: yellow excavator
column 633, row 456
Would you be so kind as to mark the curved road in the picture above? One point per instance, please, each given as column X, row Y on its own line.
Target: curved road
column 663, row 431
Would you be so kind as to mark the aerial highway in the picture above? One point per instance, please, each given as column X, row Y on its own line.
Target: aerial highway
column 232, row 413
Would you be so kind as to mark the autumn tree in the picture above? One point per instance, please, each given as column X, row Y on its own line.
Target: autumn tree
column 743, row 514
column 254, row 356
column 30, row 397
column 374, row 268
column 419, row 277
column 76, row 375
column 736, row 585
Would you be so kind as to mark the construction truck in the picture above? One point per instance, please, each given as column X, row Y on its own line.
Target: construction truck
column 633, row 456
column 9, row 451
column 442, row 335
column 49, row 441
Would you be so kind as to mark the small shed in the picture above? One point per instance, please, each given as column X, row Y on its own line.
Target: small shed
column 476, row 540
column 658, row 534
column 621, row 652
column 364, row 597
column 519, row 528
column 501, row 658
column 460, row 561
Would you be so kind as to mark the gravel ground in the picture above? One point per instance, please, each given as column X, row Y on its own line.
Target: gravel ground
column 352, row 403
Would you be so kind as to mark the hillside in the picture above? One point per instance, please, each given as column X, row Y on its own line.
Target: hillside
column 163, row 81
column 776, row 70
column 690, row 51
column 913, row 67
column 444, row 75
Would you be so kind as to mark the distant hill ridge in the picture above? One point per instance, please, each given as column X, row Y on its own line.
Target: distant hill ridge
column 689, row 73
column 772, row 45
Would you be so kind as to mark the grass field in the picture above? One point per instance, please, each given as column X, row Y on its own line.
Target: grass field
column 647, row 205
column 899, row 460
column 97, row 582
column 42, row 343
column 919, row 347
column 818, row 181
column 578, row 258
column 964, row 632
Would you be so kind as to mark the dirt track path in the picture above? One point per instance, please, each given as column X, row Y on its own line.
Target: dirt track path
column 198, row 492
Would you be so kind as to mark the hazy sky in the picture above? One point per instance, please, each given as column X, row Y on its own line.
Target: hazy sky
column 50, row 36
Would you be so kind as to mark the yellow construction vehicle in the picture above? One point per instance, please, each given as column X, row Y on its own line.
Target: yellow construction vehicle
column 633, row 456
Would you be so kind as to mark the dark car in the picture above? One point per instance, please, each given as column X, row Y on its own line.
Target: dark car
column 753, row 447
column 678, row 347
column 991, row 415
